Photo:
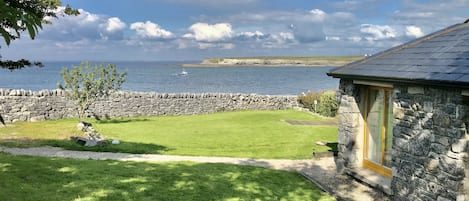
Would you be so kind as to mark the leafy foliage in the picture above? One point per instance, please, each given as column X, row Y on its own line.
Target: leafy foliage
column 17, row 16
column 328, row 105
column 307, row 100
column 326, row 102
column 85, row 84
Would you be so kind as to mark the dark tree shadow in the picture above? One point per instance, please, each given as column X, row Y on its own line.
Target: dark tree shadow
column 333, row 147
column 120, row 121
column 123, row 147
column 2, row 121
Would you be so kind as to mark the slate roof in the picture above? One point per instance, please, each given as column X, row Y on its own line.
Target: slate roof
column 441, row 58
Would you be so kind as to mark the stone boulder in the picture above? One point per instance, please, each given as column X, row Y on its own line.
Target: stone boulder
column 93, row 137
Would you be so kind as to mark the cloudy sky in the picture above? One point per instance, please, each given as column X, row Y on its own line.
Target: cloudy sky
column 131, row 30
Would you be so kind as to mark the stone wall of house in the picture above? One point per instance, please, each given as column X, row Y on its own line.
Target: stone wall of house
column 348, row 97
column 430, row 143
column 430, row 140
column 21, row 105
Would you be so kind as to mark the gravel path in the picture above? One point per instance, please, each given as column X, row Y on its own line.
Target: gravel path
column 321, row 171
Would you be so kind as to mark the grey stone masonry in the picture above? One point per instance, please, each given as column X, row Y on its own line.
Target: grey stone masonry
column 430, row 140
column 23, row 105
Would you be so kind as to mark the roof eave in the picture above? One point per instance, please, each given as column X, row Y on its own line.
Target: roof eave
column 437, row 83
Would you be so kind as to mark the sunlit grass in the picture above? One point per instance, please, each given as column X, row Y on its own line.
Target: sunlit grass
column 37, row 178
column 256, row 134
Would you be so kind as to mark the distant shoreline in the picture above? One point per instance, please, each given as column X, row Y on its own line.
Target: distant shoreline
column 275, row 61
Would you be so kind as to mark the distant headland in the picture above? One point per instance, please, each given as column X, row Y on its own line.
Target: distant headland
column 276, row 61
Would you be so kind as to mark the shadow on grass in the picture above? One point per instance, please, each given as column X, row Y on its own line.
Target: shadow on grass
column 37, row 178
column 323, row 172
column 333, row 146
column 123, row 147
column 119, row 121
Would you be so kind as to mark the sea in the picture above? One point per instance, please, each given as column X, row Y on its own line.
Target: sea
column 165, row 77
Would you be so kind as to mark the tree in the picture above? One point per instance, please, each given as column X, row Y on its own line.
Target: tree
column 17, row 16
column 85, row 84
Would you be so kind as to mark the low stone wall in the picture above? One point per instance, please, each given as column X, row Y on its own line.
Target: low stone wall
column 22, row 105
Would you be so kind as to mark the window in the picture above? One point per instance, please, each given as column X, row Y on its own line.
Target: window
column 378, row 130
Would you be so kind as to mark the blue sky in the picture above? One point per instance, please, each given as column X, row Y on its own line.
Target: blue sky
column 149, row 30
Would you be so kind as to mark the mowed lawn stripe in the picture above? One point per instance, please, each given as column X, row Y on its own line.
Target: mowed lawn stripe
column 248, row 134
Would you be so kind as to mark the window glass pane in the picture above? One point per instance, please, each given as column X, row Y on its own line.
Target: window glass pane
column 374, row 124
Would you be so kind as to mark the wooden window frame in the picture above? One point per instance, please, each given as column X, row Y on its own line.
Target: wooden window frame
column 378, row 168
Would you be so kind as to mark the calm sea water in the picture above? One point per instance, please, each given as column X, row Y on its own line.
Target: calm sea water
column 163, row 77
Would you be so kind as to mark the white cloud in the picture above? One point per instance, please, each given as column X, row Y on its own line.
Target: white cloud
column 318, row 15
column 204, row 32
column 87, row 17
column 225, row 46
column 150, row 30
column 114, row 24
column 377, row 32
column 355, row 39
column 280, row 40
column 285, row 37
column 336, row 38
column 251, row 36
column 413, row 31
column 85, row 26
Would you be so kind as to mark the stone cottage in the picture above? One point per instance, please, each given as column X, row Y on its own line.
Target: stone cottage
column 404, row 117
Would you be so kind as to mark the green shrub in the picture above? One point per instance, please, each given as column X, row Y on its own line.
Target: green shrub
column 306, row 100
column 328, row 105
column 326, row 102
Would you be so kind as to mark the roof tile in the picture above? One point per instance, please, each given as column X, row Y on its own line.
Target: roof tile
column 442, row 56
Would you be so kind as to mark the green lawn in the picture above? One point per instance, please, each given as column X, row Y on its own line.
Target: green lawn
column 35, row 178
column 256, row 134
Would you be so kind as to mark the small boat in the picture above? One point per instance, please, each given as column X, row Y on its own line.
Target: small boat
column 183, row 73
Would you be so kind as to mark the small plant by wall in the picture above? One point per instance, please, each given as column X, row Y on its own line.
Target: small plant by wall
column 326, row 103
column 307, row 99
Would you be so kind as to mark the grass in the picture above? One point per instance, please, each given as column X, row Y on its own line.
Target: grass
column 35, row 178
column 254, row 134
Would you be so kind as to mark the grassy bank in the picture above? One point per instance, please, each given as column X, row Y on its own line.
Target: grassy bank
column 37, row 178
column 256, row 134
column 287, row 58
column 317, row 61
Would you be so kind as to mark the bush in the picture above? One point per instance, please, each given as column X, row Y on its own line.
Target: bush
column 328, row 105
column 306, row 100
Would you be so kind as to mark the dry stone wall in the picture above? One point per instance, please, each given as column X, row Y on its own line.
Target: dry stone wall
column 23, row 105
column 430, row 143
column 430, row 140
